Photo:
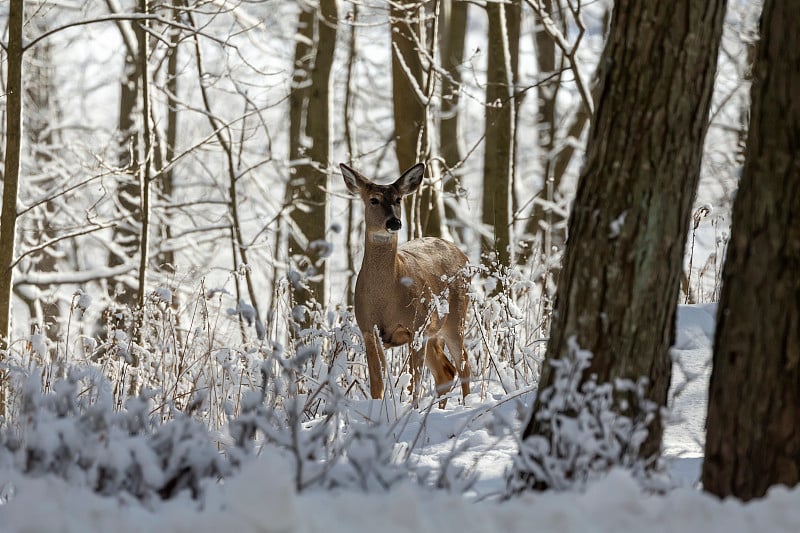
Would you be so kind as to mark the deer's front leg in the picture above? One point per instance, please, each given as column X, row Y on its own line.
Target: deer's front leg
column 375, row 363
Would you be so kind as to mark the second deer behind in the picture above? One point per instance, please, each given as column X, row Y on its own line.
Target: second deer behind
column 398, row 285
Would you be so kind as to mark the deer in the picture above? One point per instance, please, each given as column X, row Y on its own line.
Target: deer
column 397, row 284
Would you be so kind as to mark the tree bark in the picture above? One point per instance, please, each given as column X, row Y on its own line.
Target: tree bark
column 311, row 120
column 627, row 231
column 753, row 437
column 141, row 31
column 11, row 171
column 410, row 119
column 498, row 162
column 166, row 258
column 128, row 195
column 452, row 31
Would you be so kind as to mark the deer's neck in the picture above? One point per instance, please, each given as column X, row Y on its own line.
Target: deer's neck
column 380, row 255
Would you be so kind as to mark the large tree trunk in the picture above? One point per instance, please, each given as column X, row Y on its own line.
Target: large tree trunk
column 310, row 114
column 753, row 438
column 498, row 162
column 619, row 286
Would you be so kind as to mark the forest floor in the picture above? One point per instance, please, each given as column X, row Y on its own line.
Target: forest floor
column 262, row 498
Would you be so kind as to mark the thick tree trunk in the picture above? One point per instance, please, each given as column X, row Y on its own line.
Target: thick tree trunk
column 498, row 162
column 310, row 113
column 753, row 438
column 619, row 285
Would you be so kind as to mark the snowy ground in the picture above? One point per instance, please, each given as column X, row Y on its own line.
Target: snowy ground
column 261, row 498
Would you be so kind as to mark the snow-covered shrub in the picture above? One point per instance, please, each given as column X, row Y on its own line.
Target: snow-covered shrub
column 506, row 328
column 75, row 434
column 327, row 447
column 584, row 434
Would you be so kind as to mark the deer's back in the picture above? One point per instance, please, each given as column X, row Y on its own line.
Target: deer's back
column 430, row 258
column 424, row 266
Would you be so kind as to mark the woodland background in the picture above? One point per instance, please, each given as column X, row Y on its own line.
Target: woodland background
column 174, row 226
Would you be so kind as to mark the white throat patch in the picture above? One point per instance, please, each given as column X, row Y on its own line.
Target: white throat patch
column 381, row 237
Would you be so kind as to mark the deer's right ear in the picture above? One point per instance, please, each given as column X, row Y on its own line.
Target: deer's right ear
column 352, row 180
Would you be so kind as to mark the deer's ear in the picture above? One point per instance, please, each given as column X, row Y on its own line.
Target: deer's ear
column 352, row 179
column 411, row 179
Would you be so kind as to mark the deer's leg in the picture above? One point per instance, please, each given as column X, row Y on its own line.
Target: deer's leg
column 455, row 344
column 442, row 369
column 453, row 333
column 375, row 363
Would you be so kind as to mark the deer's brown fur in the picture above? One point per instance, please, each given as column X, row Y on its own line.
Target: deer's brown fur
column 398, row 283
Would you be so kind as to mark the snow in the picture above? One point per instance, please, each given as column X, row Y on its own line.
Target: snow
column 480, row 436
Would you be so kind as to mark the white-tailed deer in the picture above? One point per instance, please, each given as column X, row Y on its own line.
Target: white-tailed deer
column 397, row 285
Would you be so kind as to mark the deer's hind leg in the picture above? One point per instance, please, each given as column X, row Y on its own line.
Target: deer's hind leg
column 444, row 372
column 453, row 333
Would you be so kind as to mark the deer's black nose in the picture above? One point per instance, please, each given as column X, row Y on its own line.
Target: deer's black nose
column 394, row 224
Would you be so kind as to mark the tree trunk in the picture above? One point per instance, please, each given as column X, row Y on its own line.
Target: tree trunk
column 352, row 54
column 452, row 31
column 141, row 31
column 166, row 258
column 310, row 113
column 410, row 128
column 13, row 149
column 126, row 232
column 619, row 285
column 498, row 160
column 753, row 438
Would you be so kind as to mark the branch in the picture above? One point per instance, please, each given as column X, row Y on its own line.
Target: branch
column 570, row 51
column 47, row 244
column 120, row 17
column 69, row 278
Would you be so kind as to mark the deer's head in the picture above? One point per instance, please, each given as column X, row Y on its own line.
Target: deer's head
column 382, row 203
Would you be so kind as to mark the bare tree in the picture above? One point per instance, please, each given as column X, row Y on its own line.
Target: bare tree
column 310, row 119
column 560, row 133
column 126, row 233
column 412, row 88
column 752, row 441
column 618, row 290
column 498, row 163
column 11, row 171
column 452, row 36
column 42, row 138
column 141, row 30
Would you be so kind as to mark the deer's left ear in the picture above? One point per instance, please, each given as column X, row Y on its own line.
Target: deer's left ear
column 411, row 179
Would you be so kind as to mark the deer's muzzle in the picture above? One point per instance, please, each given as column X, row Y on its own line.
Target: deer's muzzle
column 394, row 224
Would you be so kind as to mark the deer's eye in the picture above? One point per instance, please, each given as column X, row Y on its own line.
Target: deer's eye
column 374, row 201
column 398, row 201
